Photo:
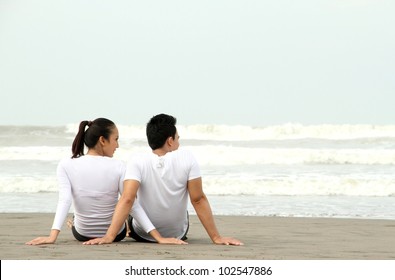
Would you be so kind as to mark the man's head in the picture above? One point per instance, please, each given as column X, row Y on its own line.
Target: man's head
column 159, row 129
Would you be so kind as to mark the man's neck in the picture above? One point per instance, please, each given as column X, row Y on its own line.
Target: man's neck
column 160, row 152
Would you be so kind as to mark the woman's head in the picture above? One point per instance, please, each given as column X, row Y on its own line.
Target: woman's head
column 101, row 135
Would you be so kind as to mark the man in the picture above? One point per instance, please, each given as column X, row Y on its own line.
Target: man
column 162, row 181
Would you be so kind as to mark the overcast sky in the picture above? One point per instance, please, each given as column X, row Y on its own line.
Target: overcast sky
column 206, row 62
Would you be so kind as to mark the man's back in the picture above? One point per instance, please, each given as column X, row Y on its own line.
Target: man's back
column 163, row 190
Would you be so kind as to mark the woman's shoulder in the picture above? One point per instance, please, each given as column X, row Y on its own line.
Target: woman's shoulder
column 113, row 161
column 91, row 159
column 65, row 161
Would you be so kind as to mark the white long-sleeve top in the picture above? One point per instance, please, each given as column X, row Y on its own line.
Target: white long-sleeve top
column 93, row 184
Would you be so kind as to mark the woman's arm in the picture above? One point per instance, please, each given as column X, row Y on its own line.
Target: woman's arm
column 62, row 209
column 46, row 239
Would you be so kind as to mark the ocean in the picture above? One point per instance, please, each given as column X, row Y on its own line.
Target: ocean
column 289, row 170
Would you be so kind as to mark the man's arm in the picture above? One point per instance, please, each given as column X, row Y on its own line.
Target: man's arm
column 121, row 213
column 203, row 210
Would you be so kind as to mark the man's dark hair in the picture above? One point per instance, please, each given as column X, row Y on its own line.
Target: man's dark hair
column 159, row 129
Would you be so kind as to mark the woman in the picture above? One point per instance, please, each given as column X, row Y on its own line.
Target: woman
column 92, row 181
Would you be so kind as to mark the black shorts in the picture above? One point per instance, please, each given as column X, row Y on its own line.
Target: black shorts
column 138, row 238
column 82, row 238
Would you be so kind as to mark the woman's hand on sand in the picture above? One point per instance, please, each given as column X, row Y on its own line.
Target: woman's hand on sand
column 227, row 241
column 41, row 240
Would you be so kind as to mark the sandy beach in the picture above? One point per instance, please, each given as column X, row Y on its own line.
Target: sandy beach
column 270, row 238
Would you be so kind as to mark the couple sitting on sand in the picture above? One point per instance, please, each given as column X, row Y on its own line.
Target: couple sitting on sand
column 154, row 189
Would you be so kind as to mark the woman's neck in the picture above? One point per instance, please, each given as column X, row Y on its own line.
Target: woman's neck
column 93, row 152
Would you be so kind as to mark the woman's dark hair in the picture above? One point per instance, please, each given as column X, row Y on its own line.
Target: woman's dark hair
column 159, row 128
column 89, row 137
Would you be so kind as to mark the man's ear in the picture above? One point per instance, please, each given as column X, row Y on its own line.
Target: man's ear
column 170, row 141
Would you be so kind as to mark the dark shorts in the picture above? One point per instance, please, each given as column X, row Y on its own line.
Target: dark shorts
column 138, row 238
column 82, row 238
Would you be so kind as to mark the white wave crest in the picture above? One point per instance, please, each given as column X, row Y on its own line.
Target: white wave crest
column 222, row 155
column 300, row 186
column 227, row 155
column 274, row 132
column 232, row 185
column 285, row 131
column 28, row 184
column 34, row 153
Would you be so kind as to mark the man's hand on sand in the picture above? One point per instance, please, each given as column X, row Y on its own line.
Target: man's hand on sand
column 228, row 241
column 171, row 241
column 98, row 241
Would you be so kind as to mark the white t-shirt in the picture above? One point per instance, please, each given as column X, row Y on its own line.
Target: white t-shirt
column 93, row 183
column 163, row 193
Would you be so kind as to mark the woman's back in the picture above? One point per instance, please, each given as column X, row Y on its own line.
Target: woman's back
column 94, row 184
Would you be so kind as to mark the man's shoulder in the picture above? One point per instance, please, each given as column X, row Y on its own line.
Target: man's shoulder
column 139, row 158
column 183, row 153
column 184, row 156
column 140, row 155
